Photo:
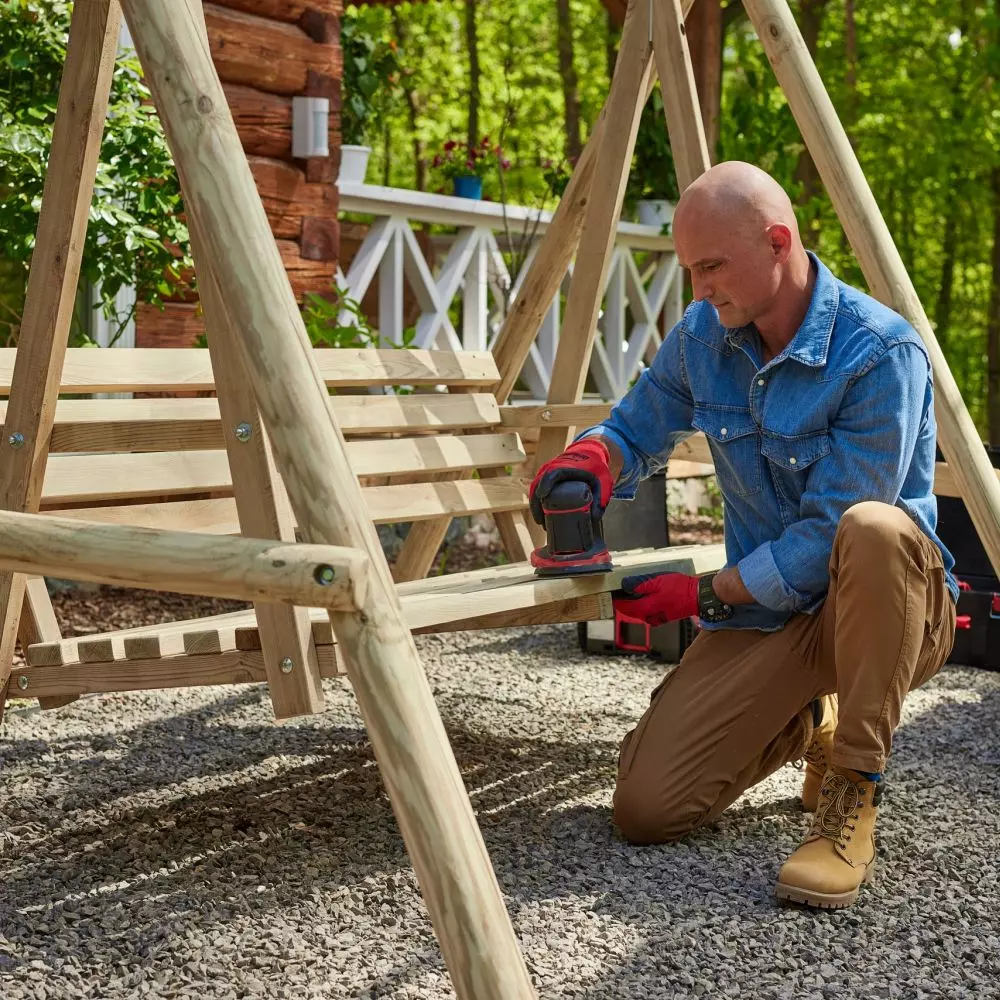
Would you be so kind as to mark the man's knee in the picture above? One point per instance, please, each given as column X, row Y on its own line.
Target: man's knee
column 874, row 525
column 645, row 818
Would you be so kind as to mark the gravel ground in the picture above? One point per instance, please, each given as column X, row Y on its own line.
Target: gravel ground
column 179, row 844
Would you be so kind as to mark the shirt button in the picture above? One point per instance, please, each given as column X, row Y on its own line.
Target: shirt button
column 791, row 461
column 724, row 431
column 760, row 381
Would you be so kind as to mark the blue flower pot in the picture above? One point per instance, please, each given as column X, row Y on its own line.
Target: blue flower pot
column 469, row 186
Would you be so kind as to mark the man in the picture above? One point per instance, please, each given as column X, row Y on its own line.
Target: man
column 837, row 597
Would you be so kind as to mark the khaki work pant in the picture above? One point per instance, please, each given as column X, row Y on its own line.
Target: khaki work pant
column 738, row 706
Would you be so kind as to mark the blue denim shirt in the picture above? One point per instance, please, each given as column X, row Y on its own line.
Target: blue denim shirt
column 843, row 414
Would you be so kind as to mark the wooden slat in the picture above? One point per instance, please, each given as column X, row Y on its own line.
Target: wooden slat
column 73, row 479
column 386, row 505
column 431, row 602
column 555, row 415
column 150, row 369
column 96, row 425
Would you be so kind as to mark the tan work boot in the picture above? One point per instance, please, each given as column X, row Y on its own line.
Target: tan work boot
column 839, row 853
column 817, row 755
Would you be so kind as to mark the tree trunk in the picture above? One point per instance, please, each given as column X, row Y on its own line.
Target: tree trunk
column 472, row 43
column 412, row 106
column 993, row 323
column 811, row 14
column 567, row 71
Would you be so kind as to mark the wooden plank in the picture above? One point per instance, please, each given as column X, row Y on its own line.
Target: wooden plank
column 52, row 280
column 680, row 97
column 87, row 425
column 435, row 601
column 576, row 609
column 385, row 505
column 555, row 415
column 216, row 640
column 263, row 120
column 421, row 775
column 149, row 369
column 73, row 479
column 622, row 111
column 880, row 261
column 291, row 11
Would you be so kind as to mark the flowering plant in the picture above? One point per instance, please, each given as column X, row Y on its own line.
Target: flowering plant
column 458, row 159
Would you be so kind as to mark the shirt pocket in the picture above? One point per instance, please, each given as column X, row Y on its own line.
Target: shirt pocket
column 796, row 455
column 734, row 439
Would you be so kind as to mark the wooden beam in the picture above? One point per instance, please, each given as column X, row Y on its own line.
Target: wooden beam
column 614, row 157
column 52, row 280
column 186, row 562
column 880, row 261
column 263, row 509
column 704, row 32
column 680, row 98
column 415, row 758
column 38, row 624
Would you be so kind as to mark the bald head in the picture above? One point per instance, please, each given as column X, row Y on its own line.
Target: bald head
column 738, row 195
column 735, row 229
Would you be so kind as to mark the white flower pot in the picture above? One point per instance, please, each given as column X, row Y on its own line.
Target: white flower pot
column 353, row 164
column 655, row 212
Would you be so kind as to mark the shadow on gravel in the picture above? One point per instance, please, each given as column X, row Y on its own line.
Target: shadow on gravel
column 130, row 877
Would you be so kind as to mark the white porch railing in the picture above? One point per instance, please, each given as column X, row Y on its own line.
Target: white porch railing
column 643, row 293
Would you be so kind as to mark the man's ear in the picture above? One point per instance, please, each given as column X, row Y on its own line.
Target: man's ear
column 780, row 238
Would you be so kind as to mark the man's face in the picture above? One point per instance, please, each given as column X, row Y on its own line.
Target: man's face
column 736, row 271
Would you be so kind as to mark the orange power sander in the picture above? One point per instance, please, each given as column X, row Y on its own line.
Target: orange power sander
column 574, row 538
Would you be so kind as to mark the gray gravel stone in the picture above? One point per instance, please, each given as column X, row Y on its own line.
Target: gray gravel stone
column 180, row 844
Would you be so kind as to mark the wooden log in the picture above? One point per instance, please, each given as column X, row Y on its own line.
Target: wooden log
column 290, row 11
column 880, row 261
column 176, row 325
column 411, row 745
column 52, row 280
column 680, row 98
column 633, row 71
column 283, row 187
column 38, row 624
column 263, row 121
column 270, row 55
column 247, row 569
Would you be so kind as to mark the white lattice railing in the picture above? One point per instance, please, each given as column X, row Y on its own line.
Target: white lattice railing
column 643, row 294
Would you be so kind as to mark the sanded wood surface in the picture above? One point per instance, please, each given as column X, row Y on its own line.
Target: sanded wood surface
column 478, row 595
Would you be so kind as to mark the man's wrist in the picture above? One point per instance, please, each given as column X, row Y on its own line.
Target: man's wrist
column 730, row 588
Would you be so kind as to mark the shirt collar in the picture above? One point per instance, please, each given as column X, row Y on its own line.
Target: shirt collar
column 811, row 343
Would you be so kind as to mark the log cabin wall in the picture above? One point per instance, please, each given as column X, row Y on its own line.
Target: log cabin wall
column 267, row 52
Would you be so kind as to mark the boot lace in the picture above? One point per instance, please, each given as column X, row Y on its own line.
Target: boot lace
column 841, row 802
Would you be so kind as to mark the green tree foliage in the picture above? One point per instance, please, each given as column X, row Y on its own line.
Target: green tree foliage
column 136, row 235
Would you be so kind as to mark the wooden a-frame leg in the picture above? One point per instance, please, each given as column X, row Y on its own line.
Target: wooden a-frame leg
column 52, row 281
column 614, row 157
column 827, row 142
column 293, row 674
column 415, row 758
column 680, row 96
column 38, row 624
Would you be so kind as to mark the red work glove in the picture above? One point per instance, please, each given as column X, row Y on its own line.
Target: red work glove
column 658, row 598
column 586, row 461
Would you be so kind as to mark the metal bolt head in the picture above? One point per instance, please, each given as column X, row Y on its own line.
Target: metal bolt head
column 16, row 440
column 22, row 682
column 287, row 665
column 546, row 414
column 324, row 574
column 243, row 432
